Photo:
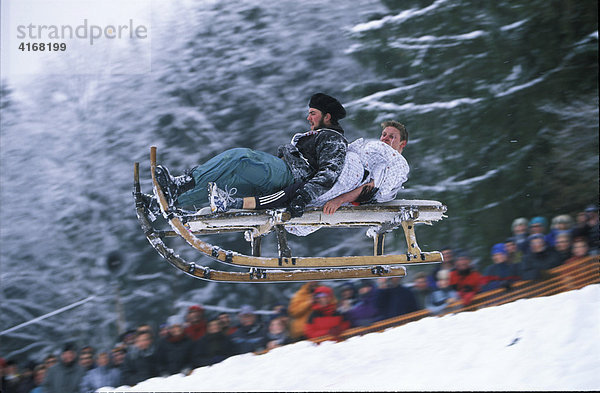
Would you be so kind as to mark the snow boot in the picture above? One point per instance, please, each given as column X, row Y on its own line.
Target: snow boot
column 173, row 186
column 151, row 206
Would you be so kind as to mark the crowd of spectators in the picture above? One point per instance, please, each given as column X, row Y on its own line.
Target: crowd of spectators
column 180, row 345
column 184, row 343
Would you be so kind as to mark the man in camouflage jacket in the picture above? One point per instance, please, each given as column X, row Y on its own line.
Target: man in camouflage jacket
column 316, row 157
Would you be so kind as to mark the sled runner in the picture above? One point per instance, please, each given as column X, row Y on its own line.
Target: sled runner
column 379, row 218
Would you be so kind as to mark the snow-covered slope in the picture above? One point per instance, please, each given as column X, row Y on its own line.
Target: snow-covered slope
column 548, row 343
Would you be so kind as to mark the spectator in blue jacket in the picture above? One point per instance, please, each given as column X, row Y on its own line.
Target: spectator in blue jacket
column 501, row 273
column 100, row 376
column 365, row 311
column 394, row 299
column 39, row 373
column 562, row 245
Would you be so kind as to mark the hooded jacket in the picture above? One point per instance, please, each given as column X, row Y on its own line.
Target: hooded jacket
column 299, row 310
column 325, row 319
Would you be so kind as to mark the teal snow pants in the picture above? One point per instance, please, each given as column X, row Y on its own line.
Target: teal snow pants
column 253, row 173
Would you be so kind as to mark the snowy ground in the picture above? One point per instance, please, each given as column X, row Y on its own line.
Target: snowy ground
column 549, row 343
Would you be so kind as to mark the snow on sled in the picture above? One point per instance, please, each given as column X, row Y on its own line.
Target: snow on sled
column 379, row 218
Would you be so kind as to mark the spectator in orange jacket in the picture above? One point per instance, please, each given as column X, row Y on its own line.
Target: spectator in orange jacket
column 299, row 309
column 465, row 280
column 324, row 318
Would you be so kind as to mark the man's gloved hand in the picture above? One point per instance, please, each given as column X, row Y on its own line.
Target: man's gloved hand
column 297, row 206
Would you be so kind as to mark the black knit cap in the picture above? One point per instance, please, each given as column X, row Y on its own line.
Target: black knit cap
column 69, row 346
column 327, row 104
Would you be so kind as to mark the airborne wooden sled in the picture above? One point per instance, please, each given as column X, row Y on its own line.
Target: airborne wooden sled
column 380, row 218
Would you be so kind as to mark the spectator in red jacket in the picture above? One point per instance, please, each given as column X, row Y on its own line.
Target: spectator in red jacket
column 324, row 318
column 465, row 279
column 196, row 324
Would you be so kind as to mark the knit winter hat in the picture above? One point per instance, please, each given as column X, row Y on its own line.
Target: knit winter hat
column 321, row 291
column 327, row 104
column 538, row 220
column 462, row 253
column 519, row 221
column 499, row 249
column 536, row 236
